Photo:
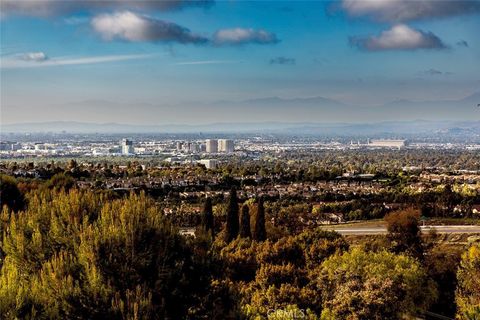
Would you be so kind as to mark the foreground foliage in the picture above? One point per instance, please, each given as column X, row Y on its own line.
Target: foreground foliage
column 468, row 291
column 80, row 255
column 92, row 255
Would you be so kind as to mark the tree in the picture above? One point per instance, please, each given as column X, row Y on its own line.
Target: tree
column 259, row 231
column 404, row 232
column 80, row 255
column 10, row 195
column 232, row 225
column 373, row 285
column 468, row 289
column 60, row 181
column 245, row 222
column 441, row 263
column 208, row 223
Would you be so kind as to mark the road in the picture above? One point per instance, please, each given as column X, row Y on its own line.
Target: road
column 383, row 230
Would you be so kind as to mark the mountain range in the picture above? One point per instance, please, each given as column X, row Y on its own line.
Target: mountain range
column 264, row 114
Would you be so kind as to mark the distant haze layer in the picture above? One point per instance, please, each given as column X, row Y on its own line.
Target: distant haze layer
column 314, row 109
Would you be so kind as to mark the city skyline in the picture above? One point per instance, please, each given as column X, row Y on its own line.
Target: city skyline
column 158, row 62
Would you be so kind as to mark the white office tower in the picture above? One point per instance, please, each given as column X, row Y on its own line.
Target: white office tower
column 127, row 146
column 225, row 145
column 211, row 146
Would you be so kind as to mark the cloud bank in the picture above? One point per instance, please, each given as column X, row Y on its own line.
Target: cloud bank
column 133, row 27
column 239, row 36
column 399, row 37
column 408, row 10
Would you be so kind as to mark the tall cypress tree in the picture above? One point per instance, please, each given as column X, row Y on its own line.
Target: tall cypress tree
column 245, row 222
column 231, row 231
column 259, row 231
column 208, row 223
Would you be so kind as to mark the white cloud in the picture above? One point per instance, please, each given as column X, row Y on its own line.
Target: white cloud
column 405, row 10
column 399, row 37
column 13, row 62
column 33, row 56
column 133, row 27
column 238, row 36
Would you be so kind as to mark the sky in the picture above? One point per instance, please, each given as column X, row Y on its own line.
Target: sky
column 162, row 62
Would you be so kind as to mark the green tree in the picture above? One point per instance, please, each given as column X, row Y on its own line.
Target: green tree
column 208, row 222
column 373, row 285
column 81, row 255
column 259, row 231
column 245, row 222
column 468, row 290
column 60, row 181
column 232, row 225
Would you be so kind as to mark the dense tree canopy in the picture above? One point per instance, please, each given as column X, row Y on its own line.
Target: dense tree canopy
column 78, row 255
column 373, row 285
column 468, row 291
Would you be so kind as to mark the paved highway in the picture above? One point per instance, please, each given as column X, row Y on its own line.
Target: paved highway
column 383, row 230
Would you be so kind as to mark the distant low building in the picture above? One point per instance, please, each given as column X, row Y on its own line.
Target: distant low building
column 209, row 163
column 387, row 143
column 9, row 146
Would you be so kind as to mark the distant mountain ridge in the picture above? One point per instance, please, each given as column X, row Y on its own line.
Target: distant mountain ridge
column 260, row 110
column 398, row 127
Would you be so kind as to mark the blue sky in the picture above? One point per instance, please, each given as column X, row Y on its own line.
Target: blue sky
column 56, row 58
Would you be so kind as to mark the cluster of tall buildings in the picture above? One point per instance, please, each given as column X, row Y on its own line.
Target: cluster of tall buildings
column 219, row 145
column 210, row 146
column 192, row 147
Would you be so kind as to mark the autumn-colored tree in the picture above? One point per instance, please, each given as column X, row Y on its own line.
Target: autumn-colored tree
column 404, row 232
column 245, row 222
column 468, row 289
column 232, row 224
column 259, row 231
column 373, row 285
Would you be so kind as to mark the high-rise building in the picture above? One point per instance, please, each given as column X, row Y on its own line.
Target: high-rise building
column 225, row 145
column 194, row 147
column 179, row 146
column 127, row 146
column 211, row 146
